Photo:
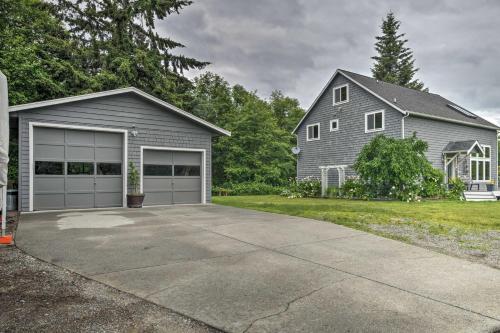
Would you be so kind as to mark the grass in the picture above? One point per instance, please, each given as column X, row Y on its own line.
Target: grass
column 436, row 217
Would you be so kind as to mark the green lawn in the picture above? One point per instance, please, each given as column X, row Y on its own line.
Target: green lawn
column 437, row 217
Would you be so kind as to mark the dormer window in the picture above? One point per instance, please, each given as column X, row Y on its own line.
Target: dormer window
column 341, row 94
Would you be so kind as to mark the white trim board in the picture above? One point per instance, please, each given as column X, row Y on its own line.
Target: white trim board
column 203, row 167
column 32, row 124
column 117, row 92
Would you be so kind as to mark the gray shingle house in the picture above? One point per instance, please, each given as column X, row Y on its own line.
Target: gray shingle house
column 74, row 152
column 352, row 109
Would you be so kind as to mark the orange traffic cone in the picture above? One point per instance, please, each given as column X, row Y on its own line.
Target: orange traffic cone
column 6, row 240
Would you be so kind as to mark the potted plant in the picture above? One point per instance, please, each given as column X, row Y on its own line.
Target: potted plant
column 490, row 185
column 134, row 198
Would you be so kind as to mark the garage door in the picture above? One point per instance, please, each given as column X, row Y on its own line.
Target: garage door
column 171, row 177
column 77, row 169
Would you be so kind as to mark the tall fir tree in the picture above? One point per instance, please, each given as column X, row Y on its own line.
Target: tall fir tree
column 123, row 47
column 394, row 62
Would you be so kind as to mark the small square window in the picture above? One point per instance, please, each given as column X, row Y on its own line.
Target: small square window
column 341, row 94
column 374, row 121
column 334, row 125
column 313, row 132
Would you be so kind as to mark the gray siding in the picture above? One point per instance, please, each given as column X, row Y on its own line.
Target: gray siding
column 155, row 125
column 342, row 146
column 439, row 133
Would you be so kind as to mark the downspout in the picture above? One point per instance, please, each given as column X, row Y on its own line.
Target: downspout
column 407, row 114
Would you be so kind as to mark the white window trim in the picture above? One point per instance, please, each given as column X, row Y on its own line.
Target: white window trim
column 377, row 129
column 319, row 132
column 481, row 159
column 338, row 87
column 336, row 128
column 31, row 161
column 203, row 167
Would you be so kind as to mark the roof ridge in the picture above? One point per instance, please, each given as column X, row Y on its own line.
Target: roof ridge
column 392, row 84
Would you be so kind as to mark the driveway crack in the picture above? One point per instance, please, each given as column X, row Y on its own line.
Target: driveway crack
column 290, row 303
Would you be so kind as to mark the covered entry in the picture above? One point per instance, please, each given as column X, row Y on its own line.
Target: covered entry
column 172, row 176
column 74, row 168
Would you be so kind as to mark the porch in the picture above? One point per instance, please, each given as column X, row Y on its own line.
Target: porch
column 470, row 162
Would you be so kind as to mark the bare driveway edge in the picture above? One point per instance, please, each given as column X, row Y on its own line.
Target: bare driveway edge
column 36, row 296
column 243, row 270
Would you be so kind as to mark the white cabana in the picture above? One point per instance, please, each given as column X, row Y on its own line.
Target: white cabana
column 324, row 176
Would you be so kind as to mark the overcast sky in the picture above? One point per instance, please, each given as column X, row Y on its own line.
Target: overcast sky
column 296, row 45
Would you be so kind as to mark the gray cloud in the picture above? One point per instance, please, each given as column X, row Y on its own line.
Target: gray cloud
column 296, row 45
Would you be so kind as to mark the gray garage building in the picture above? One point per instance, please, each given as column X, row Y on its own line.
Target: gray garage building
column 74, row 152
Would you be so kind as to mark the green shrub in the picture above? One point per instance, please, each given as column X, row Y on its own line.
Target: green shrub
column 308, row 187
column 433, row 184
column 250, row 188
column 133, row 177
column 398, row 169
column 456, row 188
column 353, row 189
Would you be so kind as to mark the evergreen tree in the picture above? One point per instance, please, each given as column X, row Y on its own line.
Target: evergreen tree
column 394, row 62
column 122, row 47
column 38, row 57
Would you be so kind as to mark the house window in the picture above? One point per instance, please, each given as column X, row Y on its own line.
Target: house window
column 341, row 94
column 334, row 125
column 313, row 132
column 480, row 165
column 374, row 121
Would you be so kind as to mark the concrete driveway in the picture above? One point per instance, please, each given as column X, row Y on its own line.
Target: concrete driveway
column 248, row 271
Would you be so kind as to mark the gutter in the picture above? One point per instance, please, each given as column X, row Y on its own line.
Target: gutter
column 423, row 115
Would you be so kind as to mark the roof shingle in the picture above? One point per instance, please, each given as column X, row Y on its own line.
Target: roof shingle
column 415, row 101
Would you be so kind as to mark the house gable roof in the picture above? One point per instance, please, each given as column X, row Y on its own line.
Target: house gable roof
column 463, row 147
column 408, row 101
column 133, row 90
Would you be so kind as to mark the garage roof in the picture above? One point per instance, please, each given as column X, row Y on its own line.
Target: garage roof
column 133, row 90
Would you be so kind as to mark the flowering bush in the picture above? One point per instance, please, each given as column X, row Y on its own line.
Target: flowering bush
column 308, row 187
column 353, row 189
column 398, row 169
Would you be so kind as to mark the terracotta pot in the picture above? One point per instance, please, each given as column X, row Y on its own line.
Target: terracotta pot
column 135, row 200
